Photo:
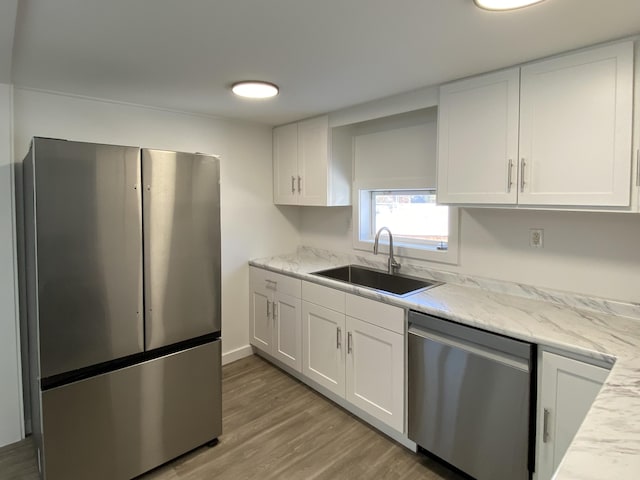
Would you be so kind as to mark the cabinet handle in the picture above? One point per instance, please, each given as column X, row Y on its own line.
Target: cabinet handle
column 638, row 167
column 272, row 284
column 349, row 341
column 299, row 182
column 510, row 176
column 268, row 308
column 523, row 164
column 275, row 311
column 545, row 425
column 338, row 337
column 293, row 184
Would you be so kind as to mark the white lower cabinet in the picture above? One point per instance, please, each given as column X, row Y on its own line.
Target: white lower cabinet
column 375, row 371
column 323, row 332
column 275, row 316
column 568, row 387
column 354, row 347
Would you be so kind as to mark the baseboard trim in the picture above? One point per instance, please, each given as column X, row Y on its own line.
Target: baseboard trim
column 236, row 354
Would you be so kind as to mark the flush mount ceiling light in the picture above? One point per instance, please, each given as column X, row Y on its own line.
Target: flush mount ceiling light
column 504, row 4
column 255, row 89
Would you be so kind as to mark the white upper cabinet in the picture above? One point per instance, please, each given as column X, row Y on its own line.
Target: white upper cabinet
column 575, row 128
column 313, row 158
column 311, row 165
column 554, row 133
column 285, row 164
column 478, row 139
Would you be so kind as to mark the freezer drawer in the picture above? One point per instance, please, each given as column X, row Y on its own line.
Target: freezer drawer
column 469, row 399
column 121, row 424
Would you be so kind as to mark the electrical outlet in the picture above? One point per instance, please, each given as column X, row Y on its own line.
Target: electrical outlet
column 536, row 237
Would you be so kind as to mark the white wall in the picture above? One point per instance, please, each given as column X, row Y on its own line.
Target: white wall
column 251, row 225
column 590, row 253
column 391, row 150
column 401, row 103
column 10, row 389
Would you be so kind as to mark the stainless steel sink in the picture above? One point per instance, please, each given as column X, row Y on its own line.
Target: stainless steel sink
column 400, row 285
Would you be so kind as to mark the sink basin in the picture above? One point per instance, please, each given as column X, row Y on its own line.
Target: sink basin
column 400, row 285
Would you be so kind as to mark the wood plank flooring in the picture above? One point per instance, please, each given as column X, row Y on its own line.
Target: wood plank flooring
column 18, row 461
column 275, row 427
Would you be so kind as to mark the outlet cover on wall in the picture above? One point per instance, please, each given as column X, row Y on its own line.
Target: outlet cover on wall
column 536, row 237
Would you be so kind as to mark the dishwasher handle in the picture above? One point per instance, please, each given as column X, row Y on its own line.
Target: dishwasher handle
column 474, row 348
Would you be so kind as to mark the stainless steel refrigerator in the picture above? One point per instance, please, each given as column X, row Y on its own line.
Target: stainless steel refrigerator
column 122, row 268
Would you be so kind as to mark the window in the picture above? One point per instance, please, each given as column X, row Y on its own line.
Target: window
column 421, row 229
column 394, row 179
column 412, row 216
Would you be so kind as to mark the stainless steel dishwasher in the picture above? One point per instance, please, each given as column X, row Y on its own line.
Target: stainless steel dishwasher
column 471, row 398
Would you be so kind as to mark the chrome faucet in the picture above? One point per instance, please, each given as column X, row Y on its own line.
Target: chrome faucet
column 393, row 266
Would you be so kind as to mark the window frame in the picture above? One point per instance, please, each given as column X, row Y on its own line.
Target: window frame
column 363, row 216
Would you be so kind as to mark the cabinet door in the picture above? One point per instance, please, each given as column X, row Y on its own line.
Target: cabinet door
column 575, row 128
column 261, row 330
column 285, row 165
column 375, row 371
column 287, row 330
column 568, row 388
column 323, row 346
column 313, row 157
column 478, row 139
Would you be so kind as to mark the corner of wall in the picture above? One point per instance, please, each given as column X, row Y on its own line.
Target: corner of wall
column 11, row 400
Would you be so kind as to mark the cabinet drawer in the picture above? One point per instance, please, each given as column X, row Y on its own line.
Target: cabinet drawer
column 376, row 313
column 275, row 282
column 324, row 296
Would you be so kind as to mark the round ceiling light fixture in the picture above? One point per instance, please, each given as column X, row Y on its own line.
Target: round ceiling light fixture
column 504, row 4
column 255, row 89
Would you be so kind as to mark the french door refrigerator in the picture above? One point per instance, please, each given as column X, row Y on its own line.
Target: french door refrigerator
column 122, row 249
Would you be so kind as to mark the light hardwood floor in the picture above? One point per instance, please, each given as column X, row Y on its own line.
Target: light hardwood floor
column 275, row 427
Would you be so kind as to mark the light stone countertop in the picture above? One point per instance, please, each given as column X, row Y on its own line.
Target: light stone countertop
column 607, row 446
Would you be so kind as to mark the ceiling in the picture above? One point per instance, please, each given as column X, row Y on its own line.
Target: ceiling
column 324, row 54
